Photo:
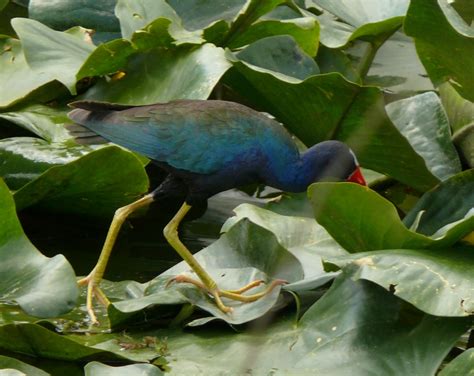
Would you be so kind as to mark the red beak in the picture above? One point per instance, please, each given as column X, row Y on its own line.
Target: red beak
column 357, row 177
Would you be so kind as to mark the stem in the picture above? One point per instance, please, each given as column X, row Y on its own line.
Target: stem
column 366, row 60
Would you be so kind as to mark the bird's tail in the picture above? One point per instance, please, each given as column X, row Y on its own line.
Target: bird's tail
column 83, row 135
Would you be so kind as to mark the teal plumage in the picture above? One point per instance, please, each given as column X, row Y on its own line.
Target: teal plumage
column 211, row 146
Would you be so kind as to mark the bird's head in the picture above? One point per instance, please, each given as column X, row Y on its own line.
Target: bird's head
column 334, row 161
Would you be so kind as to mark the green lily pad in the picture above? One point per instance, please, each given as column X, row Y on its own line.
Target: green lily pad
column 371, row 21
column 462, row 365
column 448, row 203
column 135, row 15
column 199, row 14
column 459, row 110
column 344, row 333
column 99, row 369
column 361, row 220
column 440, row 44
column 42, row 286
column 37, row 341
column 21, row 367
column 66, row 14
column 251, row 12
column 26, row 158
column 57, row 55
column 18, row 76
column 44, row 121
column 301, row 236
column 436, row 282
column 170, row 74
column 95, row 185
column 304, row 30
column 422, row 120
column 280, row 54
column 335, row 109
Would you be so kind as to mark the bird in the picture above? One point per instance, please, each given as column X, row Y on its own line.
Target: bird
column 205, row 147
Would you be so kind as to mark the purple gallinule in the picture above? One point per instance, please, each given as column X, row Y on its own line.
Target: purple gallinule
column 205, row 147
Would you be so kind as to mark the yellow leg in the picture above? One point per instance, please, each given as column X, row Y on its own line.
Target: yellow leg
column 95, row 276
column 206, row 282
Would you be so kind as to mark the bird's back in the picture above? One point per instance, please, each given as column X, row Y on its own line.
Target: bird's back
column 197, row 136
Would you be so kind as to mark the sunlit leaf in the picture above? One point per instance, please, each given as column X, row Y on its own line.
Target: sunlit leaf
column 462, row 365
column 99, row 369
column 422, row 120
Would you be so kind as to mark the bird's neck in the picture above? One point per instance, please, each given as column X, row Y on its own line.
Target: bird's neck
column 295, row 175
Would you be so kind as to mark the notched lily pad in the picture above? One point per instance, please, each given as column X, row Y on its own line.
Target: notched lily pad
column 361, row 220
column 42, row 286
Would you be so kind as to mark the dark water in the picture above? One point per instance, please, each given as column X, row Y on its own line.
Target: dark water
column 141, row 252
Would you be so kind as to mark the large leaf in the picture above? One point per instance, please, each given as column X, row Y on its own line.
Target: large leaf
column 344, row 333
column 26, row 369
column 63, row 15
column 161, row 75
column 99, row 369
column 436, row 282
column 17, row 75
column 462, row 365
column 25, row 158
column 302, row 236
column 442, row 39
column 58, row 55
column 304, row 30
column 361, row 220
column 95, row 185
column 369, row 20
column 280, row 54
column 422, row 120
column 44, row 121
column 43, row 287
column 135, row 15
column 335, row 109
column 448, row 203
column 197, row 14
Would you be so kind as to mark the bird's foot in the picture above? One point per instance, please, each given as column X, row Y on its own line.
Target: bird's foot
column 93, row 291
column 230, row 294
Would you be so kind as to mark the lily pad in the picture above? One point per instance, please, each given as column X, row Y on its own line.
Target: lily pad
column 348, row 326
column 95, row 185
column 99, row 369
column 21, row 367
column 42, row 286
column 373, row 21
column 361, row 220
column 462, row 365
column 304, row 30
column 301, row 236
column 44, row 121
column 26, row 158
column 436, row 282
column 422, row 120
column 18, row 76
column 54, row 54
column 450, row 202
column 440, row 45
column 280, row 54
column 66, row 14
column 170, row 74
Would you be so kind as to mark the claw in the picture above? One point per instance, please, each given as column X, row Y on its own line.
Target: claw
column 229, row 294
column 93, row 290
